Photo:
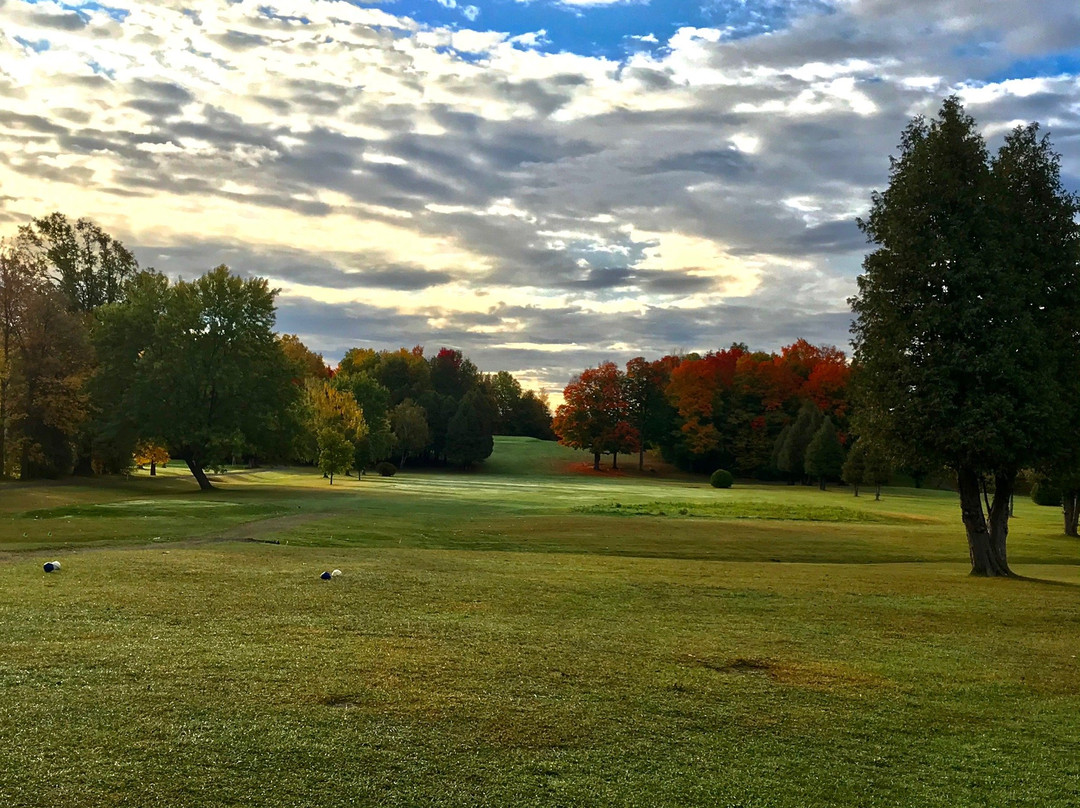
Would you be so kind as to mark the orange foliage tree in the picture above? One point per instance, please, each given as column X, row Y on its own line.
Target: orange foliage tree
column 596, row 414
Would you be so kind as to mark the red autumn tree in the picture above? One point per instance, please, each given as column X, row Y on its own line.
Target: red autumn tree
column 645, row 385
column 696, row 387
column 596, row 414
column 827, row 385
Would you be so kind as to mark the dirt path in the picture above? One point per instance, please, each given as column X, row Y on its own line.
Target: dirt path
column 256, row 531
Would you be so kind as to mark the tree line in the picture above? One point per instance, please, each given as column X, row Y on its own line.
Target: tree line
column 103, row 362
column 753, row 412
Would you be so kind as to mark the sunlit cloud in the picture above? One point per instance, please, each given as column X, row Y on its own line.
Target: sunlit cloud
column 442, row 173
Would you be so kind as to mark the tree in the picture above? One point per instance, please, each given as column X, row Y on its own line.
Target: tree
column 791, row 452
column 699, row 389
column 149, row 454
column 46, row 370
column 878, row 469
column 45, row 358
column 595, row 414
column 469, row 436
column 410, row 428
column 645, row 385
column 89, row 266
column 854, row 470
column 965, row 314
column 532, row 416
column 374, row 401
column 306, row 364
column 825, row 454
column 506, row 393
column 335, row 452
column 452, row 374
column 120, row 335
column 21, row 280
column 195, row 367
column 405, row 373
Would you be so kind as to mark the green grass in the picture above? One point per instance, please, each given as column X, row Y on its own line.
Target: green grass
column 741, row 508
column 500, row 638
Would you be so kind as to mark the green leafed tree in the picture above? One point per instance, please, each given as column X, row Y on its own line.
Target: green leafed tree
column 89, row 267
column 854, row 470
column 410, row 429
column 374, row 401
column 469, row 435
column 879, row 468
column 195, row 367
column 792, row 443
column 965, row 332
column 824, row 455
column 335, row 452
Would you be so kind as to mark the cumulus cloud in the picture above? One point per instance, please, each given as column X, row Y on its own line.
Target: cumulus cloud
column 541, row 209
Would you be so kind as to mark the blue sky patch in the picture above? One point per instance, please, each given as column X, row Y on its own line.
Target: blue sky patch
column 40, row 46
column 612, row 31
column 118, row 14
column 1053, row 64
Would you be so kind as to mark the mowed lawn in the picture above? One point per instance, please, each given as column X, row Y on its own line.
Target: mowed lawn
column 527, row 635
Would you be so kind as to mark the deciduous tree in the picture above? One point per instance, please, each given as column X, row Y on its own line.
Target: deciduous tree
column 195, row 367
column 410, row 428
column 89, row 267
column 595, row 414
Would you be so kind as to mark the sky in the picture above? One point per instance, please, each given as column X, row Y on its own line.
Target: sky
column 544, row 184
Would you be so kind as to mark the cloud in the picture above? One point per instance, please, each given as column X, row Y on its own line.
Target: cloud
column 403, row 180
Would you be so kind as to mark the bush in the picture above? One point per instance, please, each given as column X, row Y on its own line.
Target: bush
column 385, row 469
column 721, row 478
column 1043, row 493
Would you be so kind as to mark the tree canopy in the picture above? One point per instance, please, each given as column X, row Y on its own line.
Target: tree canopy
column 89, row 266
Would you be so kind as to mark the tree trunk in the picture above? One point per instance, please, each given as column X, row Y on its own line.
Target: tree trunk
column 199, row 475
column 1000, row 512
column 3, row 424
column 877, row 494
column 596, row 461
column 821, row 483
column 331, row 478
column 1070, row 505
column 615, row 461
column 84, row 460
column 641, row 458
column 153, row 468
column 856, row 487
column 986, row 542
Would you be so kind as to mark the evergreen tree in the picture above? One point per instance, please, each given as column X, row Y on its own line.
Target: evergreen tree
column 854, row 471
column 825, row 454
column 965, row 332
column 791, row 459
column 469, row 435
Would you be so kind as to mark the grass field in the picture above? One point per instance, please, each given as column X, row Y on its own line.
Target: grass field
column 525, row 635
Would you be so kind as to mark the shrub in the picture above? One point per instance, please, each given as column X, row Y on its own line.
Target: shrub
column 385, row 469
column 1043, row 493
column 721, row 478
